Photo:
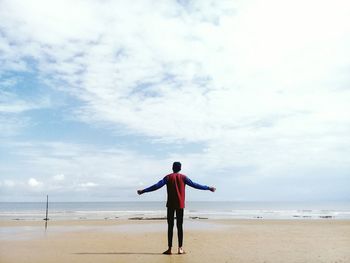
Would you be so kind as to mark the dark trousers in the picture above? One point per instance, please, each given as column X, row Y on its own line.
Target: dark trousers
column 179, row 223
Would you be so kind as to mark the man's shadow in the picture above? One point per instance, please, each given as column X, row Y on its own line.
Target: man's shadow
column 117, row 253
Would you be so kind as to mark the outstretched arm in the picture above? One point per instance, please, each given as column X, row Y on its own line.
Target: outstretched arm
column 189, row 182
column 154, row 187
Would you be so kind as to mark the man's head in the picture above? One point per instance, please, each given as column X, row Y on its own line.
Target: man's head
column 176, row 167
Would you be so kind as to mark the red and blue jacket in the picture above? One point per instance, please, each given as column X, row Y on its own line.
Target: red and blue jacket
column 175, row 183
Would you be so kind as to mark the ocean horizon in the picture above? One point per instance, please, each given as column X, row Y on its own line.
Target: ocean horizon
column 157, row 210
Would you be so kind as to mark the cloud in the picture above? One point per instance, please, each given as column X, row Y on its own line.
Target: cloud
column 13, row 108
column 208, row 69
column 59, row 177
column 88, row 185
column 263, row 87
column 11, row 125
column 9, row 104
column 108, row 173
column 63, row 170
column 32, row 182
column 9, row 183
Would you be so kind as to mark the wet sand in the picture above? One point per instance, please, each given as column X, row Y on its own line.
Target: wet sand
column 204, row 241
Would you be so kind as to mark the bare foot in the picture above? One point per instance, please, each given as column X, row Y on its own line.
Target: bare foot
column 167, row 252
column 181, row 251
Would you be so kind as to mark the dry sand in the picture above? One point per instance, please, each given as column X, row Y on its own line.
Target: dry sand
column 205, row 241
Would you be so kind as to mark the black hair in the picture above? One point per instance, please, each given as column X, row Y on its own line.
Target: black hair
column 176, row 167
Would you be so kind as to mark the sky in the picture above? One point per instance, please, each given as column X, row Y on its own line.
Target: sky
column 98, row 98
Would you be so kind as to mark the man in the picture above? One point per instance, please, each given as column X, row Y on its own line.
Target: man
column 175, row 183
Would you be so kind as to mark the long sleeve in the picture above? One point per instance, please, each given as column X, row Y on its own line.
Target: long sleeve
column 156, row 186
column 195, row 185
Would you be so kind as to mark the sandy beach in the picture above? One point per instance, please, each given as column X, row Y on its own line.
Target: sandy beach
column 205, row 241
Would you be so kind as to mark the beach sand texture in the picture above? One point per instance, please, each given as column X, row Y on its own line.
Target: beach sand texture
column 205, row 241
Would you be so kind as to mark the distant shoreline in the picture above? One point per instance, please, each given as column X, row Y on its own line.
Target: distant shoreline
column 193, row 218
column 157, row 210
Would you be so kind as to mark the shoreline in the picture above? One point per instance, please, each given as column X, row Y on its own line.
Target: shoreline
column 132, row 221
column 156, row 210
column 163, row 218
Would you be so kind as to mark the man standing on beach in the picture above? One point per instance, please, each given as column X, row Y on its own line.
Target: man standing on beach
column 175, row 183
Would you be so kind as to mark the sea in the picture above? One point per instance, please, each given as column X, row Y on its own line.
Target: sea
column 157, row 210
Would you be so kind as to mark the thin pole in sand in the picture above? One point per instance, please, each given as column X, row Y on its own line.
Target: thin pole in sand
column 47, row 211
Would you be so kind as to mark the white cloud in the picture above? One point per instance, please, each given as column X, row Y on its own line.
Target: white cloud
column 88, row 185
column 9, row 183
column 10, row 125
column 34, row 182
column 59, row 177
column 19, row 106
column 12, row 106
column 197, row 71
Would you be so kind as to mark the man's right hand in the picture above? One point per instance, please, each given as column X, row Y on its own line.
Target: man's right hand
column 213, row 189
column 139, row 192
